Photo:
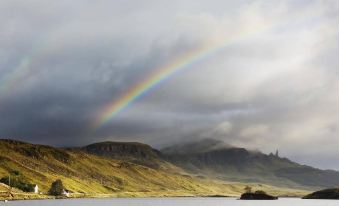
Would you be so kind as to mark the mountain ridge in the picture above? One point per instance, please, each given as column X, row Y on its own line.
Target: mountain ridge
column 240, row 164
column 88, row 175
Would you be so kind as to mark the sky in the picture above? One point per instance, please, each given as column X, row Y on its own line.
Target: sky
column 257, row 74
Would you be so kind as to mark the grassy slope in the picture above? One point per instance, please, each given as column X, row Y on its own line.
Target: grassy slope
column 97, row 176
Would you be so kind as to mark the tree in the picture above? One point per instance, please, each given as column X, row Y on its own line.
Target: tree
column 248, row 189
column 56, row 188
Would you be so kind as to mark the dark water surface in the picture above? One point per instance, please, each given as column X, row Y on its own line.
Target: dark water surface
column 172, row 202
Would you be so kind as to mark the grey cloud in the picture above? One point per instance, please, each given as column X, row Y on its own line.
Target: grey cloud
column 275, row 88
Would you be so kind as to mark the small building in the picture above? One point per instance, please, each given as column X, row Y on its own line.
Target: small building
column 36, row 189
column 65, row 193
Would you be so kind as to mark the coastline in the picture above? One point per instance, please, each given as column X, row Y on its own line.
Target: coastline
column 32, row 196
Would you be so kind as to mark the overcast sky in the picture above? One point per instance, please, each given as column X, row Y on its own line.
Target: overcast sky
column 274, row 85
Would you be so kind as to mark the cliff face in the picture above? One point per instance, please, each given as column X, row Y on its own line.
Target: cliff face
column 122, row 150
column 137, row 153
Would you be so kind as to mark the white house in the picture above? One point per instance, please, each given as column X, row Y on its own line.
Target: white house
column 36, row 189
column 65, row 192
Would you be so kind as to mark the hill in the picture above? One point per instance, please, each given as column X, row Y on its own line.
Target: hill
column 239, row 164
column 93, row 171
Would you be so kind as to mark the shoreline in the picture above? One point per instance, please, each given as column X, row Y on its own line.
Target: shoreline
column 29, row 197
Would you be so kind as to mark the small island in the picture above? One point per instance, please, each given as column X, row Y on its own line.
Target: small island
column 257, row 195
column 332, row 194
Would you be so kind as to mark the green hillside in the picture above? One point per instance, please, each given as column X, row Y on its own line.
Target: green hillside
column 93, row 175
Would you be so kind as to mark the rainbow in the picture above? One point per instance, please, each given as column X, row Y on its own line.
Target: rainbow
column 164, row 72
column 9, row 81
column 114, row 107
column 25, row 68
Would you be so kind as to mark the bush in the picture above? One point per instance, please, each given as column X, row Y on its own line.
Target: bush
column 56, row 188
column 15, row 172
column 18, row 183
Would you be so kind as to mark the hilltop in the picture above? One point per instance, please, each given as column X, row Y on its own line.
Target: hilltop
column 122, row 150
column 131, row 151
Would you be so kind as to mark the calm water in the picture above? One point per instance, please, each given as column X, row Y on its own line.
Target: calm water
column 171, row 202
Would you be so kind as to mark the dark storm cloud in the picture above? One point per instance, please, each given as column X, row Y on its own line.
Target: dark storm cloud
column 61, row 62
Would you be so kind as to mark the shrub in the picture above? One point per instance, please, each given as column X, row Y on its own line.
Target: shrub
column 18, row 183
column 15, row 172
column 56, row 188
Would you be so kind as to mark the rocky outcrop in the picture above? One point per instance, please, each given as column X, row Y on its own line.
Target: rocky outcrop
column 324, row 194
column 122, row 149
column 258, row 195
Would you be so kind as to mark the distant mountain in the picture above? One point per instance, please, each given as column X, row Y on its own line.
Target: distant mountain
column 218, row 160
